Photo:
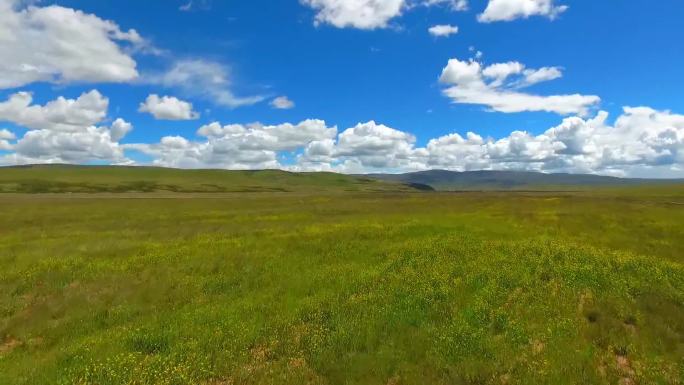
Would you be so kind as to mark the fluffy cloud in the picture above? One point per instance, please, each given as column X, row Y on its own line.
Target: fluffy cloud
column 61, row 45
column 369, row 14
column 543, row 74
column 318, row 155
column 374, row 146
column 498, row 87
column 47, row 146
column 363, row 147
column 282, row 103
column 119, row 129
column 168, row 108
column 642, row 141
column 202, row 79
column 68, row 115
column 443, row 30
column 640, row 136
column 456, row 5
column 506, row 10
column 455, row 152
column 6, row 134
column 236, row 146
column 362, row 14
column 366, row 146
column 279, row 137
column 5, row 137
column 63, row 130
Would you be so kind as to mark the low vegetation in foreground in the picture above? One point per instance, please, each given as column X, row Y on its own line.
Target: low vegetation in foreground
column 343, row 287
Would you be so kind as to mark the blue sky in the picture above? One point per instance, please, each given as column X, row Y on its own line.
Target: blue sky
column 335, row 68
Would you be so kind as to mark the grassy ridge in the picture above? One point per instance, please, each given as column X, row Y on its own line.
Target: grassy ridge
column 343, row 289
column 98, row 179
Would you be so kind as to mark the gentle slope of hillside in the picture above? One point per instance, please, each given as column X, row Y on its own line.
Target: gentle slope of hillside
column 92, row 179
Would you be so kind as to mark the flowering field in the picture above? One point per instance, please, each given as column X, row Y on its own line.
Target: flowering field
column 343, row 288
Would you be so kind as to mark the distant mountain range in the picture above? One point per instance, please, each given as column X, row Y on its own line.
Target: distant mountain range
column 443, row 180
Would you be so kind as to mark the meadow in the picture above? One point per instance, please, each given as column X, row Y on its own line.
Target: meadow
column 45, row 179
column 342, row 286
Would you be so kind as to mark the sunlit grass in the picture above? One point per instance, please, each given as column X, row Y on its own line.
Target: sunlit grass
column 343, row 288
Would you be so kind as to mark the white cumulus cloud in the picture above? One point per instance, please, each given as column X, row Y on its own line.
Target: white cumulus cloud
column 63, row 130
column 369, row 14
column 237, row 146
column 282, row 103
column 497, row 86
column 119, row 129
column 374, row 146
column 60, row 114
column 168, row 108
column 61, row 45
column 507, row 10
column 456, row 5
column 642, row 141
column 87, row 145
column 6, row 134
column 443, row 30
column 362, row 14
column 5, row 137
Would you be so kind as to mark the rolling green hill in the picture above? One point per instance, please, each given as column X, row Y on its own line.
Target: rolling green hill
column 514, row 180
column 117, row 179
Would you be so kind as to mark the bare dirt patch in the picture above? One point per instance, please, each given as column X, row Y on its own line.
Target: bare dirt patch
column 8, row 345
column 624, row 367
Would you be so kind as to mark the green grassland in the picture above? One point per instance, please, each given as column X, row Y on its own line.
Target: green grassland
column 336, row 286
column 104, row 179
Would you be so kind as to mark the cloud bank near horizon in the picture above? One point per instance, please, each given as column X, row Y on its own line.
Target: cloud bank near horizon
column 640, row 140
